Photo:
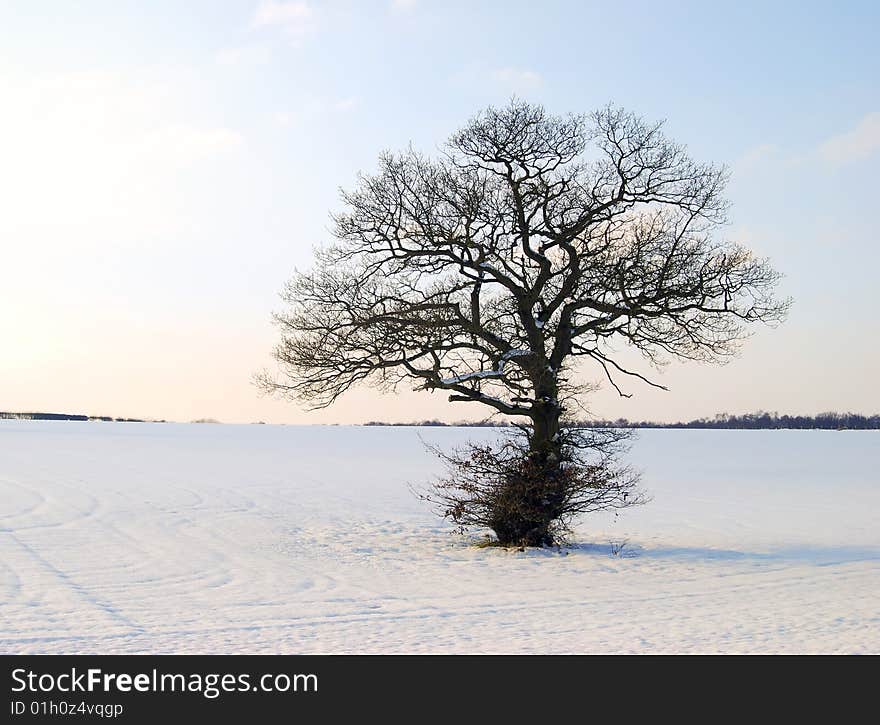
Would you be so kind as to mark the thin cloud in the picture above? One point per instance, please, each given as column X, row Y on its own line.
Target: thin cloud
column 313, row 109
column 858, row 144
column 188, row 144
column 103, row 151
column 345, row 104
column 517, row 79
column 296, row 19
column 285, row 118
column 403, row 6
column 243, row 56
column 756, row 157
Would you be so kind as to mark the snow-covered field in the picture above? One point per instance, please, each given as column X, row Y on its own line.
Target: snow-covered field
column 123, row 537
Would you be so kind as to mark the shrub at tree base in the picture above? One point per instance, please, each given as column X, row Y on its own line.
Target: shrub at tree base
column 530, row 497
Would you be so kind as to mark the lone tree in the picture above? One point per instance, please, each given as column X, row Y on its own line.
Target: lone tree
column 531, row 242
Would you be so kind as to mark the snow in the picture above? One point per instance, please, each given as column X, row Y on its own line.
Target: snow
column 123, row 537
column 476, row 375
column 481, row 374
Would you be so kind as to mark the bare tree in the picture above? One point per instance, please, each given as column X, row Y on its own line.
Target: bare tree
column 532, row 241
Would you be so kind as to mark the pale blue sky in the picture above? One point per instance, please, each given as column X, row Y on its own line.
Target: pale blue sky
column 165, row 165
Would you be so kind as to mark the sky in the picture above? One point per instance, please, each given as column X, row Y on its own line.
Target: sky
column 165, row 166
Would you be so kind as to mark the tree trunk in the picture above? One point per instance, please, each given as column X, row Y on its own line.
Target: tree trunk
column 544, row 440
column 534, row 496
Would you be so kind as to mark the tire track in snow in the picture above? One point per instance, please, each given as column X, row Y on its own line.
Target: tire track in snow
column 611, row 634
column 82, row 592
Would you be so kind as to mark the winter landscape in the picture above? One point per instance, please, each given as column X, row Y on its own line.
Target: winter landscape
column 163, row 538
column 324, row 326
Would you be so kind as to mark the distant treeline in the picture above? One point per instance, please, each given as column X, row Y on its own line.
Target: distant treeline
column 748, row 421
column 759, row 421
column 72, row 416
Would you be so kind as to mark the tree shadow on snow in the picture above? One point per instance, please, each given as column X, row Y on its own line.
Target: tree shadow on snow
column 813, row 555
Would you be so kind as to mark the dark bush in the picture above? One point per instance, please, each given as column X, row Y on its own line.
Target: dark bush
column 531, row 497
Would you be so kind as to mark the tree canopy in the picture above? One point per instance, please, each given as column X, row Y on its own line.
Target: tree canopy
column 529, row 241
